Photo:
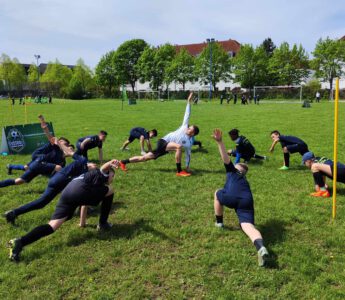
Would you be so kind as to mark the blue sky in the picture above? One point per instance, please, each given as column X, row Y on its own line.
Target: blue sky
column 68, row 30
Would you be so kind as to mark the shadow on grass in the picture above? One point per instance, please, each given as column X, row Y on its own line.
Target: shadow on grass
column 340, row 192
column 200, row 150
column 273, row 232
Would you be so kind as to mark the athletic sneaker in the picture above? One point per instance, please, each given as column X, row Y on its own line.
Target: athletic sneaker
column 9, row 169
column 123, row 166
column 10, row 216
column 324, row 194
column 262, row 256
column 183, row 174
column 142, row 152
column 219, row 225
column 265, row 157
column 104, row 227
column 16, row 247
column 123, row 149
column 284, row 168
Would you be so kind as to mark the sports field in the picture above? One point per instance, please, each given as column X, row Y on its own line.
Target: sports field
column 164, row 243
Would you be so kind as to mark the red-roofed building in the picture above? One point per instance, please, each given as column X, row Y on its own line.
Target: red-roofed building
column 230, row 46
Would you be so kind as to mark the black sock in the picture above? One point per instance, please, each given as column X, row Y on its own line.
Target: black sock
column 287, row 159
column 125, row 161
column 257, row 156
column 318, row 179
column 105, row 209
column 36, row 234
column 219, row 219
column 7, row 182
column 258, row 243
column 178, row 166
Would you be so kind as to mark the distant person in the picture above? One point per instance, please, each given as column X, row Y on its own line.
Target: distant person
column 322, row 167
column 143, row 136
column 237, row 195
column 13, row 101
column 255, row 97
column 228, row 98
column 290, row 144
column 318, row 96
column 244, row 148
column 221, row 98
column 20, row 100
column 196, row 99
column 86, row 143
column 244, row 99
column 50, row 100
column 235, row 98
column 258, row 99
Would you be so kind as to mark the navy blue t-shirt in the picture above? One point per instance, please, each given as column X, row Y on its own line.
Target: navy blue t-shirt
column 137, row 132
column 46, row 148
column 236, row 184
column 54, row 156
column 95, row 142
column 286, row 140
column 75, row 168
column 244, row 146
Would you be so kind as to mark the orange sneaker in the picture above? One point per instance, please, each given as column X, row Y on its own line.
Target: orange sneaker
column 324, row 194
column 183, row 174
column 123, row 166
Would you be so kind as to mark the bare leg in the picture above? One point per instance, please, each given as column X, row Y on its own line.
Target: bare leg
column 19, row 181
column 250, row 230
column 83, row 215
column 56, row 224
column 125, row 144
column 218, row 208
column 143, row 158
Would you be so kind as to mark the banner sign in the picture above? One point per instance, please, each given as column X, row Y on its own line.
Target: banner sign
column 23, row 139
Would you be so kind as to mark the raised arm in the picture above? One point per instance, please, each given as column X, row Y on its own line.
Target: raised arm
column 114, row 163
column 217, row 136
column 188, row 110
column 45, row 128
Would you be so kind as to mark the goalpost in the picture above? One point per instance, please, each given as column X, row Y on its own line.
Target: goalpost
column 269, row 90
column 149, row 94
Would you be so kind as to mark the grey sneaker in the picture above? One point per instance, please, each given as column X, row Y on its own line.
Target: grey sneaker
column 219, row 225
column 262, row 256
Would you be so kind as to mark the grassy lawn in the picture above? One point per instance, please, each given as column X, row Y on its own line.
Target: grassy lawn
column 164, row 243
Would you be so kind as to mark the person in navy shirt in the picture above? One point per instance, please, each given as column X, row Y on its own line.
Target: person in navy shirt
column 322, row 167
column 237, row 195
column 142, row 135
column 92, row 141
column 290, row 144
column 55, row 185
column 92, row 188
column 244, row 148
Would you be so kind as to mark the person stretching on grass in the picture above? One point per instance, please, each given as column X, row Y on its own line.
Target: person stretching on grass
column 244, row 148
column 237, row 195
column 142, row 135
column 290, row 144
column 92, row 141
column 55, row 186
column 322, row 167
column 173, row 141
column 92, row 188
column 47, row 163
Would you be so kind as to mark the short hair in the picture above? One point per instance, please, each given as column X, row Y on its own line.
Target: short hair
column 154, row 131
column 234, row 131
column 103, row 132
column 72, row 146
column 196, row 130
column 244, row 167
column 61, row 138
column 275, row 132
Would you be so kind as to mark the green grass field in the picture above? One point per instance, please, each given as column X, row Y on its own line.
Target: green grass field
column 164, row 244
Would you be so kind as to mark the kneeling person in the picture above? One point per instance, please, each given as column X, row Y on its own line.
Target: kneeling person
column 322, row 167
column 236, row 194
column 90, row 189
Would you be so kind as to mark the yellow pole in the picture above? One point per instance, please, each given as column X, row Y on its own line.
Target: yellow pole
column 11, row 109
column 335, row 154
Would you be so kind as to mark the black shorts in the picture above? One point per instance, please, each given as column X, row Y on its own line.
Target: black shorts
column 160, row 148
column 297, row 148
column 244, row 208
column 77, row 194
column 38, row 168
column 340, row 173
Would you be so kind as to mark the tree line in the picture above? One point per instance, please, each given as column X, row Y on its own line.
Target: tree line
column 135, row 60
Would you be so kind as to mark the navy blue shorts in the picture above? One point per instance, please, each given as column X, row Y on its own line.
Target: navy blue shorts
column 340, row 173
column 244, row 208
column 134, row 134
column 80, row 151
column 160, row 148
column 297, row 148
column 38, row 168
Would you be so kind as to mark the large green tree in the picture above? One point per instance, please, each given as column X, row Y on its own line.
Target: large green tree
column 250, row 66
column 81, row 83
column 289, row 66
column 106, row 74
column 329, row 60
column 181, row 68
column 12, row 73
column 126, row 59
column 33, row 74
column 56, row 78
column 153, row 64
column 220, row 66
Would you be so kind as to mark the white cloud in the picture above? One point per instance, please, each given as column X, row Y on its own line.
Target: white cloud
column 86, row 28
